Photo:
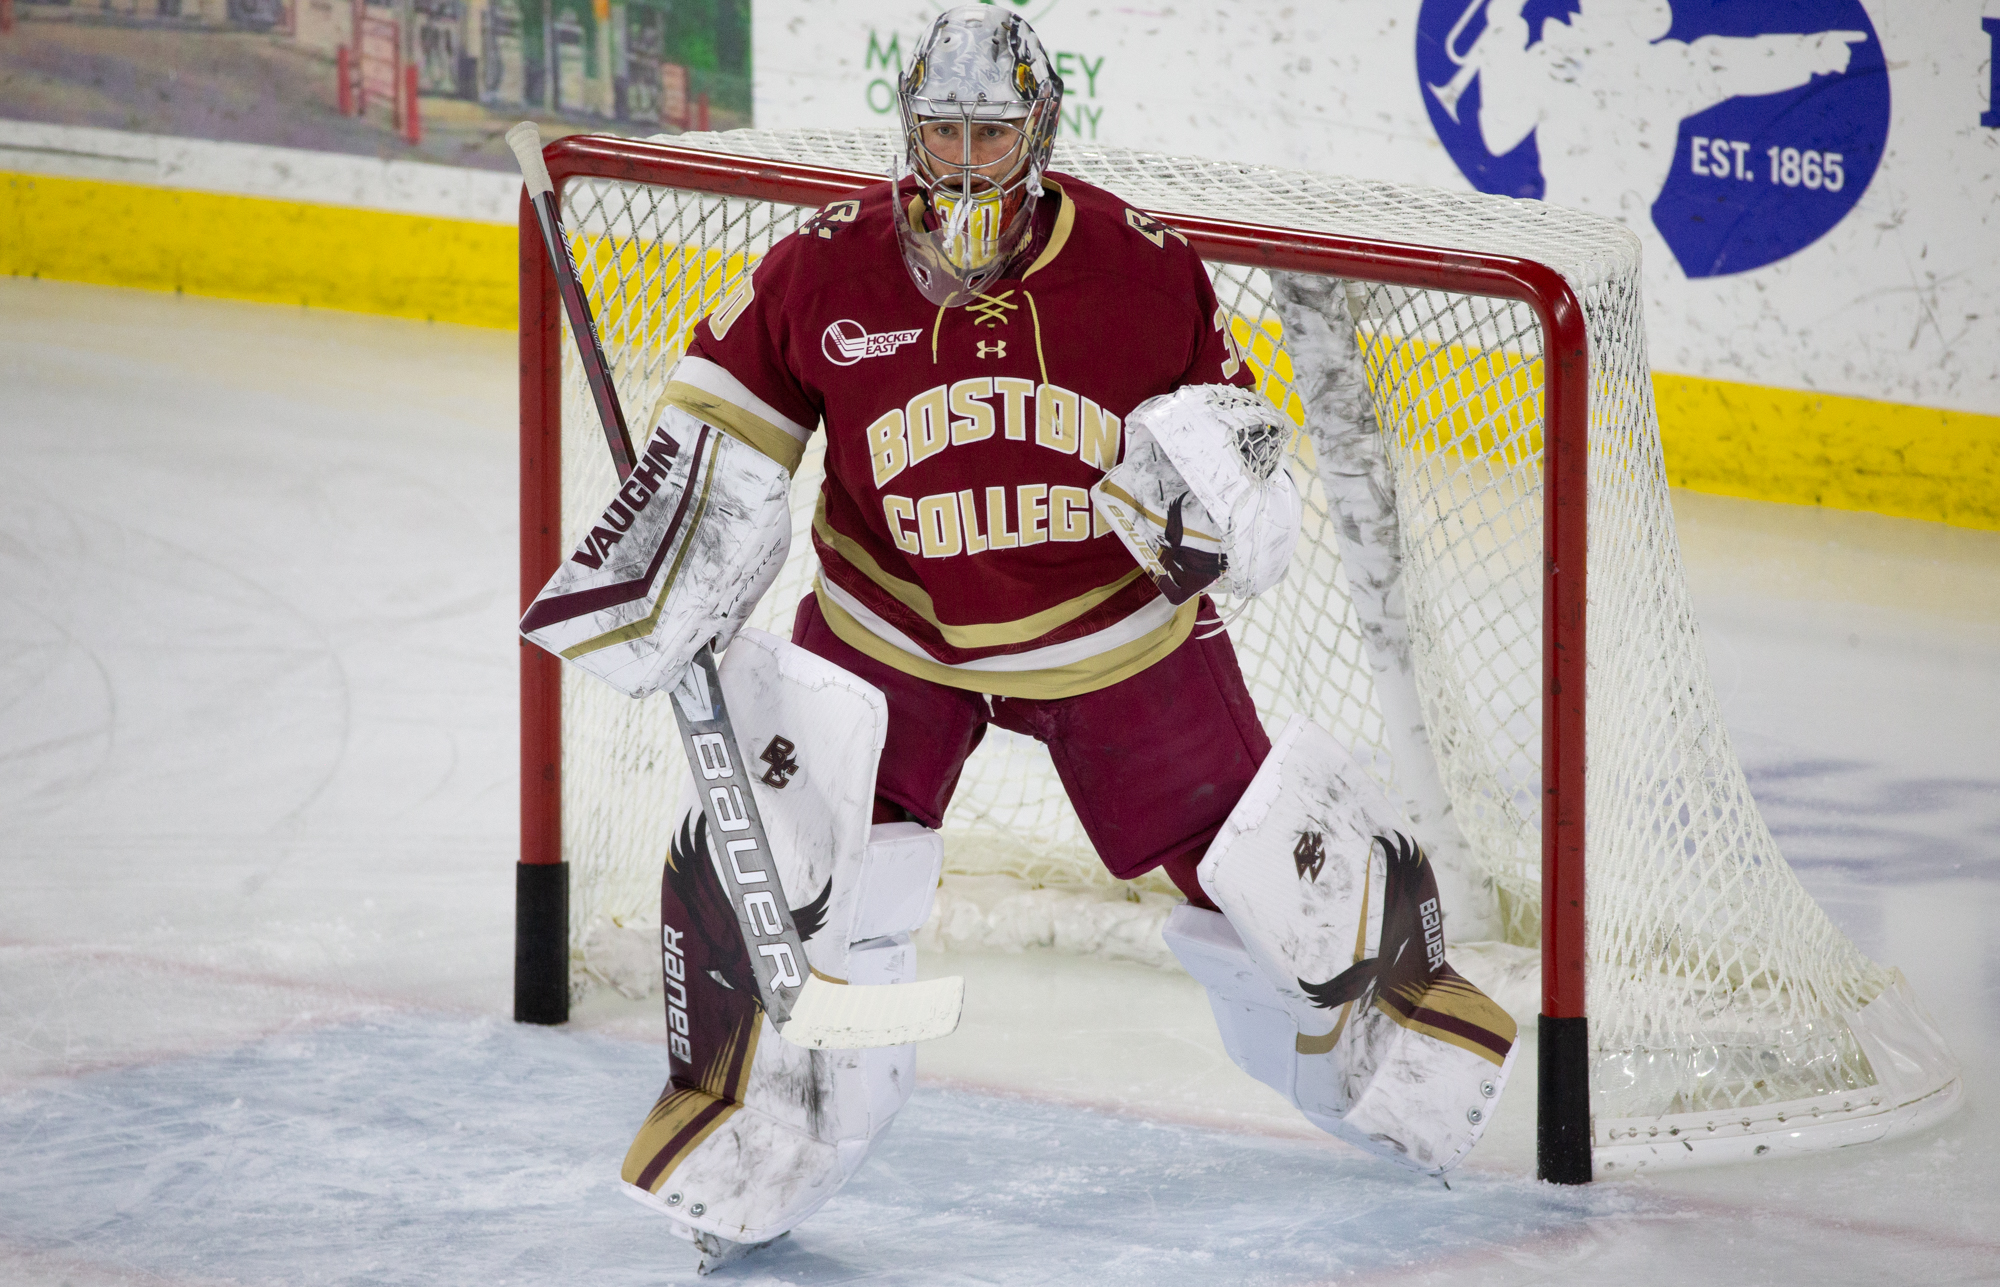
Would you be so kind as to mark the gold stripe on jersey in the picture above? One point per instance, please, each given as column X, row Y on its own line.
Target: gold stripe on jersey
column 1073, row 680
column 1058, row 237
column 1035, row 317
column 746, row 427
column 995, row 634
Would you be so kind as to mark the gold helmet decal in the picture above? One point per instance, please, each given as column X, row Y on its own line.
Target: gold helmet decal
column 1024, row 79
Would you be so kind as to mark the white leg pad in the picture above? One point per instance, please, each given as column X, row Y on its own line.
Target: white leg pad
column 899, row 880
column 1332, row 907
column 773, row 1129
column 809, row 1118
column 1257, row 1029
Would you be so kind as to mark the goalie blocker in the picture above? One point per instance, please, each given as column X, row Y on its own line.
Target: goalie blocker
column 1328, row 978
column 679, row 556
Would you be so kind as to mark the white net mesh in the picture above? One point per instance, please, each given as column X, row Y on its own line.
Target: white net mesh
column 1715, row 982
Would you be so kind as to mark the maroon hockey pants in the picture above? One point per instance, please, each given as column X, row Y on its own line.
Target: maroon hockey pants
column 1153, row 764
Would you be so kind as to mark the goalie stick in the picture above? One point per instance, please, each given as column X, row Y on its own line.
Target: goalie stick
column 526, row 141
column 808, row 1009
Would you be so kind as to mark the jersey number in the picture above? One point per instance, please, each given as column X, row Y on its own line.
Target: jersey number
column 1234, row 362
column 731, row 308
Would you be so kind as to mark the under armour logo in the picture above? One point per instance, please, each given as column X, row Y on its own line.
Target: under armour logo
column 1309, row 854
column 998, row 348
column 779, row 756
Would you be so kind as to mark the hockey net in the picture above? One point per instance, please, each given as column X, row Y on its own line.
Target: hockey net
column 1721, row 998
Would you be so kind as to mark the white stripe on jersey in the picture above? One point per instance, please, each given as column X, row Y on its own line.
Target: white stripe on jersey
column 715, row 380
column 1154, row 616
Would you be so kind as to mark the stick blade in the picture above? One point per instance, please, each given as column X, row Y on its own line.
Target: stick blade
column 838, row 1016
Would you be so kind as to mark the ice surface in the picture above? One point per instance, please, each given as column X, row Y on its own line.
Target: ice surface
column 257, row 821
column 423, row 1148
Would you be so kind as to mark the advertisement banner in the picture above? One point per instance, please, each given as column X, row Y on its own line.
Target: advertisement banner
column 1815, row 182
column 434, row 80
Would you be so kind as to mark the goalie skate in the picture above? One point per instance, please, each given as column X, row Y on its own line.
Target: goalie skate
column 679, row 555
column 717, row 1252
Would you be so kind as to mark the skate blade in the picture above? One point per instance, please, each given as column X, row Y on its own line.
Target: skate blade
column 718, row 1252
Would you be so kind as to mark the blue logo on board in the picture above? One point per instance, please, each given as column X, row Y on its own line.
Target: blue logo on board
column 1743, row 129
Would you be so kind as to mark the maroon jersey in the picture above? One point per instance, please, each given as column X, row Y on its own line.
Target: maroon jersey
column 955, row 532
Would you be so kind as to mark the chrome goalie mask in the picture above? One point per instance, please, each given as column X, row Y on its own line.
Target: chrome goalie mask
column 980, row 105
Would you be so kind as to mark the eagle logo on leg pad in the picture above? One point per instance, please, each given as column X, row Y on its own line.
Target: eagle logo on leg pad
column 691, row 872
column 1408, row 976
column 1408, row 889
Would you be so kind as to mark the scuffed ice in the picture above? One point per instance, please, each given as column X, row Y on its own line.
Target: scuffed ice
column 426, row 1150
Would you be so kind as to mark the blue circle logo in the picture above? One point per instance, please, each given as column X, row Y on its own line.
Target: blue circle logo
column 1744, row 129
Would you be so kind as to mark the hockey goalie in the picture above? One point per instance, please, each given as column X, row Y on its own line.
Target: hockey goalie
column 1043, row 454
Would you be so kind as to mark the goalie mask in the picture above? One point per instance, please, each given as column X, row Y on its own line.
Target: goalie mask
column 980, row 104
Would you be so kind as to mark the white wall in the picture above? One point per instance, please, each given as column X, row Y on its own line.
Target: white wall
column 1899, row 300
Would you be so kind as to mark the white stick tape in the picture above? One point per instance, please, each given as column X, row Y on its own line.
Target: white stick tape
column 526, row 141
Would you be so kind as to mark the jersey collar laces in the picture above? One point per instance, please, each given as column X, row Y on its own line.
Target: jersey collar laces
column 980, row 103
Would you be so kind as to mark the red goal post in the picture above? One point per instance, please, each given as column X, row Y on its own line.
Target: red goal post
column 542, row 949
